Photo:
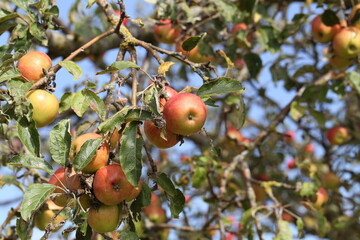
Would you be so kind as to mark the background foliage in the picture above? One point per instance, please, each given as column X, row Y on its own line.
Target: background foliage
column 261, row 83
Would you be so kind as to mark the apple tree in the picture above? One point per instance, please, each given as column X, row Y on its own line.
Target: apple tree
column 168, row 119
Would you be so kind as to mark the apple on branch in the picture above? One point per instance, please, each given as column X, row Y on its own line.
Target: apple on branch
column 185, row 114
column 33, row 64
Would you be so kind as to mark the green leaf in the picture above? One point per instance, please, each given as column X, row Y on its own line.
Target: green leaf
column 72, row 68
column 60, row 142
column 127, row 235
column 303, row 70
column 284, row 231
column 164, row 181
column 253, row 63
column 90, row 3
column 296, row 110
column 22, row 229
column 177, row 203
column 21, row 4
column 86, row 153
column 9, row 74
column 114, row 121
column 236, row 112
column 65, row 101
column 323, row 224
column 130, row 153
column 300, row 226
column 96, row 103
column 7, row 15
column 319, row 116
column 308, row 189
column 228, row 10
column 354, row 79
column 199, row 177
column 34, row 197
column 191, row 42
column 18, row 88
column 138, row 115
column 220, row 86
column 119, row 65
column 269, row 39
column 79, row 103
column 329, row 18
column 29, row 136
column 38, row 31
column 31, row 161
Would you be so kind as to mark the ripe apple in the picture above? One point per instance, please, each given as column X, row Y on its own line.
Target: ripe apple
column 166, row 31
column 194, row 55
column 111, row 185
column 340, row 62
column 45, row 107
column 42, row 219
column 291, row 163
column 153, row 134
column 239, row 63
column 31, row 65
column 170, row 93
column 233, row 133
column 155, row 213
column 104, row 219
column 114, row 139
column 330, row 181
column 185, row 114
column 321, row 197
column 309, row 148
column 243, row 27
column 102, row 154
column 355, row 11
column 64, row 178
column 136, row 191
column 346, row 42
column 321, row 32
column 287, row 217
column 125, row 20
column 289, row 136
column 337, row 135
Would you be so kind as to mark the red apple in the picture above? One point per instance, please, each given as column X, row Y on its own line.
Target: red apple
column 337, row 135
column 321, row 32
column 166, row 31
column 346, row 42
column 64, row 179
column 136, row 191
column 45, row 107
column 185, row 114
column 287, row 217
column 102, row 154
column 155, row 213
column 170, row 93
column 289, row 136
column 125, row 20
column 104, row 219
column 111, row 185
column 291, row 163
column 194, row 55
column 243, row 27
column 321, row 197
column 309, row 148
column 153, row 134
column 31, row 65
column 233, row 133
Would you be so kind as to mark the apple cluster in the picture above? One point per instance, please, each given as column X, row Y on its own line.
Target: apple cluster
column 184, row 114
column 109, row 188
column 32, row 67
column 344, row 40
column 166, row 31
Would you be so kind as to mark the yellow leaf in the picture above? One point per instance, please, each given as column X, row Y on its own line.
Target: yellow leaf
column 164, row 67
column 228, row 60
